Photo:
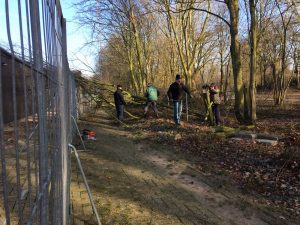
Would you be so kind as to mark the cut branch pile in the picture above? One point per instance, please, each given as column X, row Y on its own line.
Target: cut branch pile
column 100, row 93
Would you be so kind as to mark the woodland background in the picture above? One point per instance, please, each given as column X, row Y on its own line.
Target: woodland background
column 243, row 46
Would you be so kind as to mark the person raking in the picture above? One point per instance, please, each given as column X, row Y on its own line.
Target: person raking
column 152, row 95
column 119, row 103
column 175, row 94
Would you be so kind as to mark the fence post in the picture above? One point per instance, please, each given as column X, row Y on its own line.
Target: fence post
column 63, row 75
column 40, row 90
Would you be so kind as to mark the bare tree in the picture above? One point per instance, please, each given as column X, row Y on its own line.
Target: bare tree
column 283, row 26
column 253, row 61
column 122, row 19
column 233, row 7
column 193, row 40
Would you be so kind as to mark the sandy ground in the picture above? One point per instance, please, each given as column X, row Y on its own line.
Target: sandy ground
column 134, row 183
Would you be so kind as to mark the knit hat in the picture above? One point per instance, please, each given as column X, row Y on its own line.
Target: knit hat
column 178, row 77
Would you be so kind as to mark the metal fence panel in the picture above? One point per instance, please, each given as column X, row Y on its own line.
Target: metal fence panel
column 37, row 100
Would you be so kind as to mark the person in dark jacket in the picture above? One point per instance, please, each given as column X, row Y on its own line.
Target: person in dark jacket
column 214, row 92
column 175, row 94
column 119, row 102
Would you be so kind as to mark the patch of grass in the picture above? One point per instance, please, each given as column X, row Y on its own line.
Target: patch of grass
column 138, row 133
column 226, row 129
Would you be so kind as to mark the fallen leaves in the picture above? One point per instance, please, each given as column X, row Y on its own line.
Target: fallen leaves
column 271, row 171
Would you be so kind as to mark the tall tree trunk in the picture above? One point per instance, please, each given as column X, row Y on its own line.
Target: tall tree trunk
column 297, row 66
column 253, row 41
column 283, row 60
column 298, row 77
column 142, row 75
column 261, row 74
column 131, row 71
column 222, row 70
column 282, row 82
column 275, row 88
column 246, row 101
column 228, row 73
column 265, row 75
column 233, row 7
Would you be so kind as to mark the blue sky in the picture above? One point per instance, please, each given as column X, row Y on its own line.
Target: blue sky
column 79, row 58
column 76, row 36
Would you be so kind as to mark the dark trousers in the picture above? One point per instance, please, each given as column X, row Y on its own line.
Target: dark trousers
column 120, row 112
column 216, row 112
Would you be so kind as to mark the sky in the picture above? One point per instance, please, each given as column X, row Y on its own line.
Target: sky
column 76, row 38
column 79, row 58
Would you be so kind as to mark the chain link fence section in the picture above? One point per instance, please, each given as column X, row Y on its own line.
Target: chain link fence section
column 37, row 100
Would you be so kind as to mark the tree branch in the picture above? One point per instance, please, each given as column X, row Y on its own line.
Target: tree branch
column 202, row 10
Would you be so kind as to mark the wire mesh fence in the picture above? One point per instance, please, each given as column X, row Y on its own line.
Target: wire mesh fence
column 37, row 99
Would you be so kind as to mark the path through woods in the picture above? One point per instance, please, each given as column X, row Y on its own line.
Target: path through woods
column 134, row 183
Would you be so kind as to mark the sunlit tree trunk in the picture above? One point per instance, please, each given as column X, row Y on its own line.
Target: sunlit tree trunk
column 142, row 75
column 233, row 7
column 131, row 71
column 228, row 75
column 253, row 57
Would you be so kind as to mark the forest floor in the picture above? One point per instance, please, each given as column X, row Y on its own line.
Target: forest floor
column 152, row 172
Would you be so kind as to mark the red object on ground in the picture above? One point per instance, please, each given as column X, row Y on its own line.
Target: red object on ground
column 92, row 134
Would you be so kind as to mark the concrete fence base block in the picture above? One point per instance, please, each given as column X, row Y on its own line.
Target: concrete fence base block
column 246, row 135
column 267, row 142
column 242, row 135
column 267, row 136
column 236, row 139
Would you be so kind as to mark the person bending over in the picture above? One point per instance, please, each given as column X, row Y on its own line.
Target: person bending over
column 152, row 95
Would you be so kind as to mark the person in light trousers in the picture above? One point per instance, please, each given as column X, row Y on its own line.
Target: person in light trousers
column 175, row 94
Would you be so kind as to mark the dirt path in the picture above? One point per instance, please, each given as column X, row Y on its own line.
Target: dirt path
column 138, row 184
